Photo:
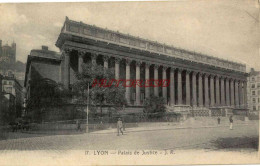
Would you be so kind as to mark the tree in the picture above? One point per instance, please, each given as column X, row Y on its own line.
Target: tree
column 45, row 93
column 154, row 106
column 96, row 76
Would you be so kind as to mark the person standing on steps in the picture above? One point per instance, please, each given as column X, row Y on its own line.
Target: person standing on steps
column 119, row 126
column 218, row 120
column 231, row 122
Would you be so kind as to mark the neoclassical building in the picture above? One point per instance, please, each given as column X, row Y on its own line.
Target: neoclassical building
column 196, row 80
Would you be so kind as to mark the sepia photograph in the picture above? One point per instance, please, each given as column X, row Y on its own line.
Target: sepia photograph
column 129, row 82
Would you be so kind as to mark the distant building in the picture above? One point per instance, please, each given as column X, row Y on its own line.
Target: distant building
column 254, row 91
column 11, row 98
column 8, row 53
column 12, row 87
column 41, row 64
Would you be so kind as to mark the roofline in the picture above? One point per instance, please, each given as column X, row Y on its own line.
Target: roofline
column 28, row 63
column 67, row 20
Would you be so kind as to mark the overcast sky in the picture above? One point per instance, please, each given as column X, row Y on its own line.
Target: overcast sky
column 226, row 29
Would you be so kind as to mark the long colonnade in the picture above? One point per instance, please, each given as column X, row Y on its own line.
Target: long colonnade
column 187, row 87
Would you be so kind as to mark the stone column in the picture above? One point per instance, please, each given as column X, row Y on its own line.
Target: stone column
column 179, row 90
column 222, row 91
column 187, row 84
column 128, row 88
column 80, row 60
column 241, row 99
column 172, row 95
column 147, row 78
column 245, row 93
column 164, row 88
column 236, row 94
column 137, row 87
column 94, row 58
column 212, row 91
column 194, row 89
column 227, row 92
column 105, row 58
column 156, row 88
column 62, row 69
column 66, row 68
column 200, row 90
column 117, row 62
column 232, row 93
column 206, row 89
column 217, row 91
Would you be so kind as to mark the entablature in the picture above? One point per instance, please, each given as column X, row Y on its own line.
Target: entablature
column 90, row 32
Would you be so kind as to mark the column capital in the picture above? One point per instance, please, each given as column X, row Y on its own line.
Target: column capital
column 94, row 55
column 127, row 61
column 194, row 72
column 172, row 69
column 81, row 53
column 105, row 58
column 217, row 76
column 227, row 78
column 222, row 77
column 156, row 66
column 148, row 64
column 138, row 63
column 165, row 68
column 200, row 74
column 117, row 60
column 188, row 71
column 67, row 50
column 206, row 75
column 180, row 69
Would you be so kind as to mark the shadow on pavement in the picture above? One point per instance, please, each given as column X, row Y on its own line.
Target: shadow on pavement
column 236, row 143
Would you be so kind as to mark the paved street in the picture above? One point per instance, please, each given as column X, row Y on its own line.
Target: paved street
column 217, row 138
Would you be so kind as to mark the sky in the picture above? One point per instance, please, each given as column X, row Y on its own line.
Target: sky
column 227, row 29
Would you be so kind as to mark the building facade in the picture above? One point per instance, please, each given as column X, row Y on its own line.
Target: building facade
column 41, row 64
column 8, row 53
column 12, row 87
column 254, row 91
column 196, row 80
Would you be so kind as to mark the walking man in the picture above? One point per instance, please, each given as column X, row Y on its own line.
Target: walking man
column 218, row 120
column 78, row 125
column 119, row 126
column 231, row 122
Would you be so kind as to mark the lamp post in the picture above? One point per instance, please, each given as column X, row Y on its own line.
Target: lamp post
column 87, row 110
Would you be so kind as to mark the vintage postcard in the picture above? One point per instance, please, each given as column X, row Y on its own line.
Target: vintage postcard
column 129, row 83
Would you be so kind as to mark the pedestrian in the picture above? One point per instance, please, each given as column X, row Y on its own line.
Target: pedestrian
column 119, row 126
column 218, row 120
column 231, row 122
column 78, row 125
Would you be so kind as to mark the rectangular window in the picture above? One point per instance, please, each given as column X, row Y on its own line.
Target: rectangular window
column 252, row 85
column 253, row 79
column 254, row 108
column 253, row 92
column 253, row 100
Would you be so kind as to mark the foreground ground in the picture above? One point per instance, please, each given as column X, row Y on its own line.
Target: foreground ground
column 243, row 137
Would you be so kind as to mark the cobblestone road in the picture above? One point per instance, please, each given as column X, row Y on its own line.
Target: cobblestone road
column 200, row 138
